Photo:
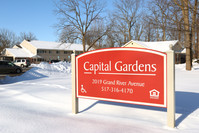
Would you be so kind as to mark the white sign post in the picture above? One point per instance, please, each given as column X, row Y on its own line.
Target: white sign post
column 170, row 89
column 74, row 98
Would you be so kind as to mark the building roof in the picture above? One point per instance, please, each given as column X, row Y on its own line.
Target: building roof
column 20, row 53
column 184, row 51
column 159, row 45
column 56, row 45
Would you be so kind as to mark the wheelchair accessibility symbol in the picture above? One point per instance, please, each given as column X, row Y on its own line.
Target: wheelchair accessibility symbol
column 82, row 89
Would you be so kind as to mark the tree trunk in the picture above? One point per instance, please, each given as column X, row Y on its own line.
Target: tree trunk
column 129, row 31
column 193, row 27
column 84, row 43
column 125, row 40
column 164, row 34
column 197, row 46
column 187, row 35
column 179, row 31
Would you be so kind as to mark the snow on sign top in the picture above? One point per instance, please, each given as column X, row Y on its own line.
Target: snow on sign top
column 56, row 45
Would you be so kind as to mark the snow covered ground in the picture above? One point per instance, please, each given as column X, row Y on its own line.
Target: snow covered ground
column 39, row 101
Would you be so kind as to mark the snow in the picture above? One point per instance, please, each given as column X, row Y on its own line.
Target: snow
column 40, row 101
column 159, row 45
column 56, row 45
column 20, row 53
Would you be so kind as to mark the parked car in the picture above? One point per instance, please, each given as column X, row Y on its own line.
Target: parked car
column 54, row 61
column 22, row 62
column 9, row 67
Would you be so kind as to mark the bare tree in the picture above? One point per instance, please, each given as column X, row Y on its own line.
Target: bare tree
column 114, row 38
column 175, row 26
column 27, row 36
column 159, row 13
column 68, row 35
column 138, row 31
column 177, row 20
column 7, row 39
column 186, row 9
column 78, row 16
column 149, row 31
column 96, row 33
column 125, row 17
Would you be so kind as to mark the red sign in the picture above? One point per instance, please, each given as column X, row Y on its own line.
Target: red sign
column 129, row 75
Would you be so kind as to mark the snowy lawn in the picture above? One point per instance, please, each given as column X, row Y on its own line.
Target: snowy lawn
column 39, row 101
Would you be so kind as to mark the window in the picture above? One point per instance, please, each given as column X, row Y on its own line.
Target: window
column 78, row 52
column 49, row 52
column 57, row 52
column 68, row 52
column 41, row 51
